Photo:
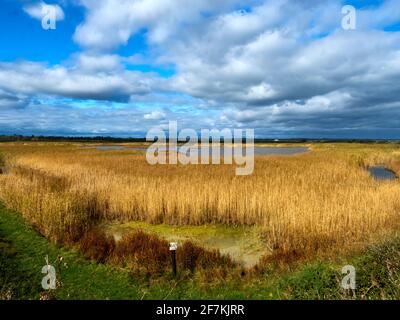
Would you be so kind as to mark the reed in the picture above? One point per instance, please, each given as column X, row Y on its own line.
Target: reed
column 318, row 202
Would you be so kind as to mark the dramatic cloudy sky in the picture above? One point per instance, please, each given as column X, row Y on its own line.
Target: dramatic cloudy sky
column 286, row 68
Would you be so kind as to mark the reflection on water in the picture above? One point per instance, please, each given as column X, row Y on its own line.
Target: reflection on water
column 257, row 150
column 381, row 173
column 115, row 148
column 279, row 150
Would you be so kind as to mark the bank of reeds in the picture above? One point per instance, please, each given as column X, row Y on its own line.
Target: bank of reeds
column 307, row 204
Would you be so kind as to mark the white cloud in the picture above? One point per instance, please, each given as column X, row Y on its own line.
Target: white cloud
column 38, row 10
column 96, row 63
column 385, row 15
column 155, row 115
column 284, row 65
column 75, row 82
column 260, row 92
column 110, row 23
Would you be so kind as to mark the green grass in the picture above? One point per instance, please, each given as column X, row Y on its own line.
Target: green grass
column 24, row 256
column 23, row 251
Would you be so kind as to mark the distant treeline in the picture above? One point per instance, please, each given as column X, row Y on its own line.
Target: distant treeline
column 4, row 138
column 100, row 139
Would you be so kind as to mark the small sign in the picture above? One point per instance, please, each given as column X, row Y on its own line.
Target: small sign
column 173, row 246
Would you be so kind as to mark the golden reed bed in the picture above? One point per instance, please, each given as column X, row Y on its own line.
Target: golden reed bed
column 317, row 202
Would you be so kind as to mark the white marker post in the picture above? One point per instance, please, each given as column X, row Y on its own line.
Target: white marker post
column 172, row 247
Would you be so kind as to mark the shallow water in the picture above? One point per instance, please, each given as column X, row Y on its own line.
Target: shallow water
column 280, row 150
column 381, row 173
column 242, row 243
column 257, row 150
column 115, row 148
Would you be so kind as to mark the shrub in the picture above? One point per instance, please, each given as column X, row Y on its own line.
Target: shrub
column 190, row 256
column 97, row 245
column 143, row 251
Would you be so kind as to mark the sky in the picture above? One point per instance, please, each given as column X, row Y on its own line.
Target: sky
column 285, row 68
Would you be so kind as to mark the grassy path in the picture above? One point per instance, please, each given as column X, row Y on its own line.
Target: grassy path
column 23, row 251
column 23, row 254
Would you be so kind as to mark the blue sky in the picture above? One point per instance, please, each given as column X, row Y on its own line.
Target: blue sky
column 23, row 38
column 286, row 68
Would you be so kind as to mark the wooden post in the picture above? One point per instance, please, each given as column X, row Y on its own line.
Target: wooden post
column 172, row 247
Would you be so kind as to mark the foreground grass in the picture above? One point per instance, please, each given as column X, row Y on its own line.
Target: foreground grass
column 22, row 253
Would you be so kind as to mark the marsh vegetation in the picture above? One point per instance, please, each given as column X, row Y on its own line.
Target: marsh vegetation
column 318, row 203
